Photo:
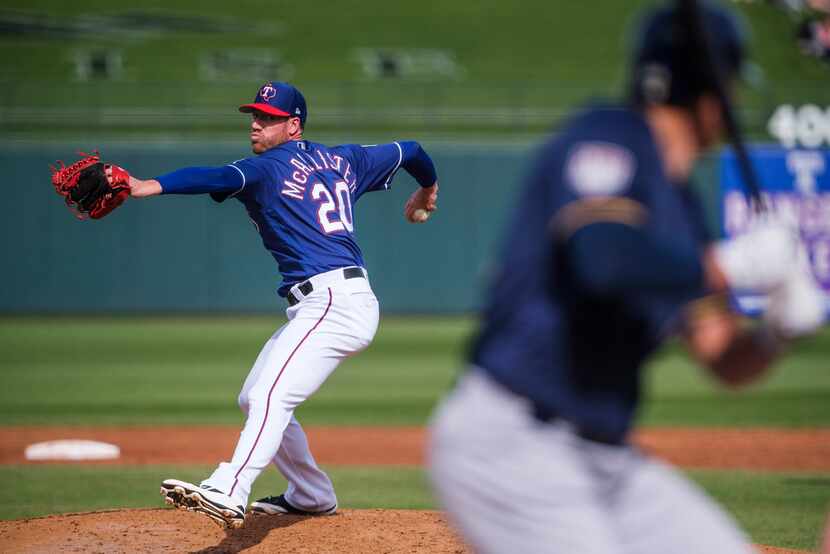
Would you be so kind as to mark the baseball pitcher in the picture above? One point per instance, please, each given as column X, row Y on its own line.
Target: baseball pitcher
column 300, row 196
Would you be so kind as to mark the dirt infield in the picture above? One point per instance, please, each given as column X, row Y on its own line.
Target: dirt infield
column 762, row 449
column 168, row 530
column 366, row 531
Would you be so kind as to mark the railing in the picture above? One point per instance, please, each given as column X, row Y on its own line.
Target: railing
column 445, row 107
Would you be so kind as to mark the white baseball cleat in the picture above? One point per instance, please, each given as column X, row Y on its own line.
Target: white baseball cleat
column 211, row 502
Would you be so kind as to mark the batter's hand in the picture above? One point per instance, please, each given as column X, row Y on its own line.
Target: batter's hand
column 424, row 199
column 761, row 258
column 796, row 308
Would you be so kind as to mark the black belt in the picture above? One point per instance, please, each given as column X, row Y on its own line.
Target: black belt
column 602, row 438
column 306, row 287
column 582, row 432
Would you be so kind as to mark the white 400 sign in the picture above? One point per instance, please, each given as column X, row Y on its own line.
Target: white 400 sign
column 807, row 125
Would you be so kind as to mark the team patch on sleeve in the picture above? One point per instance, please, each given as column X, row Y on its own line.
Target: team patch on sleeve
column 599, row 169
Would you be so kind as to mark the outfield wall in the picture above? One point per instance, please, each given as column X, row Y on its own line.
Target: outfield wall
column 190, row 254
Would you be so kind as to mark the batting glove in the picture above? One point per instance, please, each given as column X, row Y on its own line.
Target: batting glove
column 761, row 259
column 797, row 307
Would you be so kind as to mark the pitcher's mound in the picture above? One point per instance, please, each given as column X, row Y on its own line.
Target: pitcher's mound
column 169, row 530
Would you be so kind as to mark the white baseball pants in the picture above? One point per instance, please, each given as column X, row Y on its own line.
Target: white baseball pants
column 511, row 483
column 338, row 318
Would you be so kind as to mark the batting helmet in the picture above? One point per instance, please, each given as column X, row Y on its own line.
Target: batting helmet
column 667, row 64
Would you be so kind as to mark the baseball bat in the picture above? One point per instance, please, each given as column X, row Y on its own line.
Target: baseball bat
column 701, row 43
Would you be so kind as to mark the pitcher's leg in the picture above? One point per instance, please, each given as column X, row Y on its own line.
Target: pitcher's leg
column 309, row 488
column 353, row 322
column 256, row 370
column 296, row 363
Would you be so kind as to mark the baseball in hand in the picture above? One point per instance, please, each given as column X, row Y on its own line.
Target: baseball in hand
column 420, row 215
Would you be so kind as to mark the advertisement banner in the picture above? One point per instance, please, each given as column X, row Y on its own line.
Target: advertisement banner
column 795, row 185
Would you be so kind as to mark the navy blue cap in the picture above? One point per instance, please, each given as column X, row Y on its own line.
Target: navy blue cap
column 668, row 65
column 276, row 98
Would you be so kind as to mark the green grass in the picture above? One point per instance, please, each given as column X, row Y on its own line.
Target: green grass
column 784, row 510
column 188, row 370
column 50, row 489
column 544, row 55
column 795, row 392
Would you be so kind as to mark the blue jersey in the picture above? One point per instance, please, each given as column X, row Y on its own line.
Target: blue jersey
column 578, row 356
column 300, row 195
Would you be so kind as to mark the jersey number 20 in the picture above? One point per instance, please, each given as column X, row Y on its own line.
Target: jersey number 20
column 341, row 204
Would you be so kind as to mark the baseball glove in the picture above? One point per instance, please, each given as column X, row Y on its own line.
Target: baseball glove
column 91, row 188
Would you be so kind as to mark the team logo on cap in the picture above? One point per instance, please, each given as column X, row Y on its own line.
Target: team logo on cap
column 267, row 92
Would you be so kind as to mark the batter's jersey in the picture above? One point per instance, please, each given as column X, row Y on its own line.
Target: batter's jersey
column 300, row 195
column 576, row 356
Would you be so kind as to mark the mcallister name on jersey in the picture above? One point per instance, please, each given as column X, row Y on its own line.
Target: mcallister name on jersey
column 295, row 187
column 300, row 196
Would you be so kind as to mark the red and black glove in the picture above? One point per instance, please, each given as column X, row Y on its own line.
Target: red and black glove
column 88, row 189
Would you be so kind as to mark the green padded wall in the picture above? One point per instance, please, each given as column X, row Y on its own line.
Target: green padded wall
column 181, row 253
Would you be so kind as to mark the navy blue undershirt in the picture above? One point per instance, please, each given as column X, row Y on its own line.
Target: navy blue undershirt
column 417, row 163
column 609, row 258
column 201, row 180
